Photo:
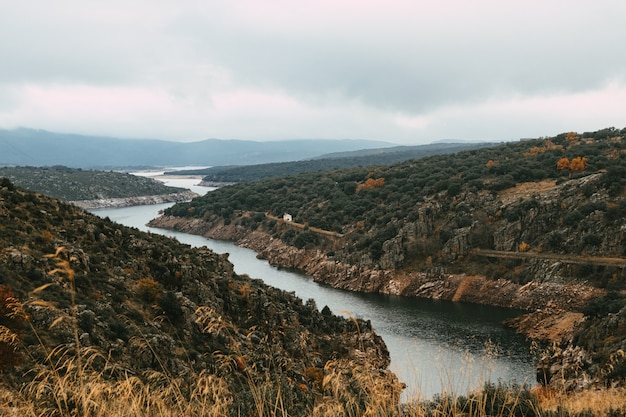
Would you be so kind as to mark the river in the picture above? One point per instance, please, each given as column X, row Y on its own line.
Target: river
column 435, row 346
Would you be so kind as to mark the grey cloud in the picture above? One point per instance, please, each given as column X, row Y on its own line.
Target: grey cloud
column 459, row 65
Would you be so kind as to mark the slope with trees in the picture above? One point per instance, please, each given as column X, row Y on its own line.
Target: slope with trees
column 509, row 225
column 365, row 157
column 102, row 319
column 91, row 188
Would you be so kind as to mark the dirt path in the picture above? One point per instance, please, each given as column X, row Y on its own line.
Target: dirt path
column 569, row 259
column 303, row 226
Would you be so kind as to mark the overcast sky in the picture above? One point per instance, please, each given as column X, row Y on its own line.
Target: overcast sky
column 408, row 72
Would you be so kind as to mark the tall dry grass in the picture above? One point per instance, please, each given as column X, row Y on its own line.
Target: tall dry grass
column 80, row 381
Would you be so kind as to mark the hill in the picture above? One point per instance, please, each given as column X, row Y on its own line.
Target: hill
column 536, row 224
column 101, row 319
column 91, row 189
column 42, row 148
column 365, row 157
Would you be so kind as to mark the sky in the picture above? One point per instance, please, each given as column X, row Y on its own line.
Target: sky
column 403, row 71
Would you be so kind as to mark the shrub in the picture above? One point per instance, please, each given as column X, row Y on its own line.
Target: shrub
column 171, row 306
column 148, row 289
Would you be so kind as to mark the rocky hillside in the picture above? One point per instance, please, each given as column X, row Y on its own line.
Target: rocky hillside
column 81, row 296
column 536, row 224
column 94, row 189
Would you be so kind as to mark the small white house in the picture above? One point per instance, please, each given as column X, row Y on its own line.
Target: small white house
column 287, row 217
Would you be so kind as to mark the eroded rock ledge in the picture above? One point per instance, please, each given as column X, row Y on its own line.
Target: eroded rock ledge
column 135, row 201
column 455, row 287
column 552, row 307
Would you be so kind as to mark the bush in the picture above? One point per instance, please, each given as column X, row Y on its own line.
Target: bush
column 592, row 240
column 171, row 306
column 610, row 303
column 148, row 289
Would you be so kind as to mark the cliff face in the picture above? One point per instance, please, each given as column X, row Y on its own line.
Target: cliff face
column 436, row 285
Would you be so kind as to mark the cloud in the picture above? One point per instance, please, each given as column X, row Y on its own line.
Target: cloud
column 405, row 71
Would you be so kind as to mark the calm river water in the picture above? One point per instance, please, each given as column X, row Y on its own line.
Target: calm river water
column 435, row 346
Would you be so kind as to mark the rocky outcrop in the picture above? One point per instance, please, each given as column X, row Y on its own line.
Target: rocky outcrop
column 552, row 307
column 135, row 201
column 436, row 285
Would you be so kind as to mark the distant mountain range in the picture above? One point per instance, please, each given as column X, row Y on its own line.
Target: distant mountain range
column 42, row 148
column 337, row 160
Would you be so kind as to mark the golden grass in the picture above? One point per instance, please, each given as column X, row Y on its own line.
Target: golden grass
column 81, row 381
column 599, row 402
column 66, row 391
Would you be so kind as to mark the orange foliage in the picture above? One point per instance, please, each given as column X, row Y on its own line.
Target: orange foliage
column 372, row 183
column 550, row 145
column 245, row 290
column 148, row 289
column 571, row 137
column 491, row 163
column 523, row 247
column 535, row 150
column 578, row 164
column 562, row 164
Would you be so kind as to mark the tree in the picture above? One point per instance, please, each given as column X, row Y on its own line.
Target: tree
column 562, row 164
column 571, row 137
column 578, row 164
column 371, row 183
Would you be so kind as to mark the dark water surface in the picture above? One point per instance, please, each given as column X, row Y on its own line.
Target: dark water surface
column 435, row 346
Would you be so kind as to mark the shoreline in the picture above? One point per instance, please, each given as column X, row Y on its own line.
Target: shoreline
column 135, row 201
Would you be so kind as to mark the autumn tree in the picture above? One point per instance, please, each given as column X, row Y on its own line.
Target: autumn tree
column 372, row 183
column 562, row 164
column 578, row 164
column 571, row 137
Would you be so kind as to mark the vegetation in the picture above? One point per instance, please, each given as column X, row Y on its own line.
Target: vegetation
column 370, row 157
column 71, row 184
column 98, row 319
column 541, row 210
column 450, row 193
column 101, row 319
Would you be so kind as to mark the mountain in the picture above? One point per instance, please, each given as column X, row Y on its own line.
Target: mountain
column 536, row 225
column 99, row 319
column 363, row 157
column 42, row 148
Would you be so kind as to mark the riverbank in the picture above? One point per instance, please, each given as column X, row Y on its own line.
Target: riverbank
column 553, row 309
column 135, row 201
column 531, row 297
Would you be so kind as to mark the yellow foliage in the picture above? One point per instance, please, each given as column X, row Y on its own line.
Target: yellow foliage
column 491, row 163
column 578, row 164
column 245, row 290
column 523, row 247
column 148, row 289
column 562, row 164
column 372, row 183
column 571, row 137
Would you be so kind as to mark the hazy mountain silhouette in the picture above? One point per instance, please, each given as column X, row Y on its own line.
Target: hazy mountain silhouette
column 42, row 148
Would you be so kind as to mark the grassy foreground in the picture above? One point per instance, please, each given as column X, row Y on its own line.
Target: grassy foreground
column 77, row 385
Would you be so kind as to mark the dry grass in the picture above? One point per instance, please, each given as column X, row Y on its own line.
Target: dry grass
column 600, row 402
column 67, row 391
column 78, row 381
